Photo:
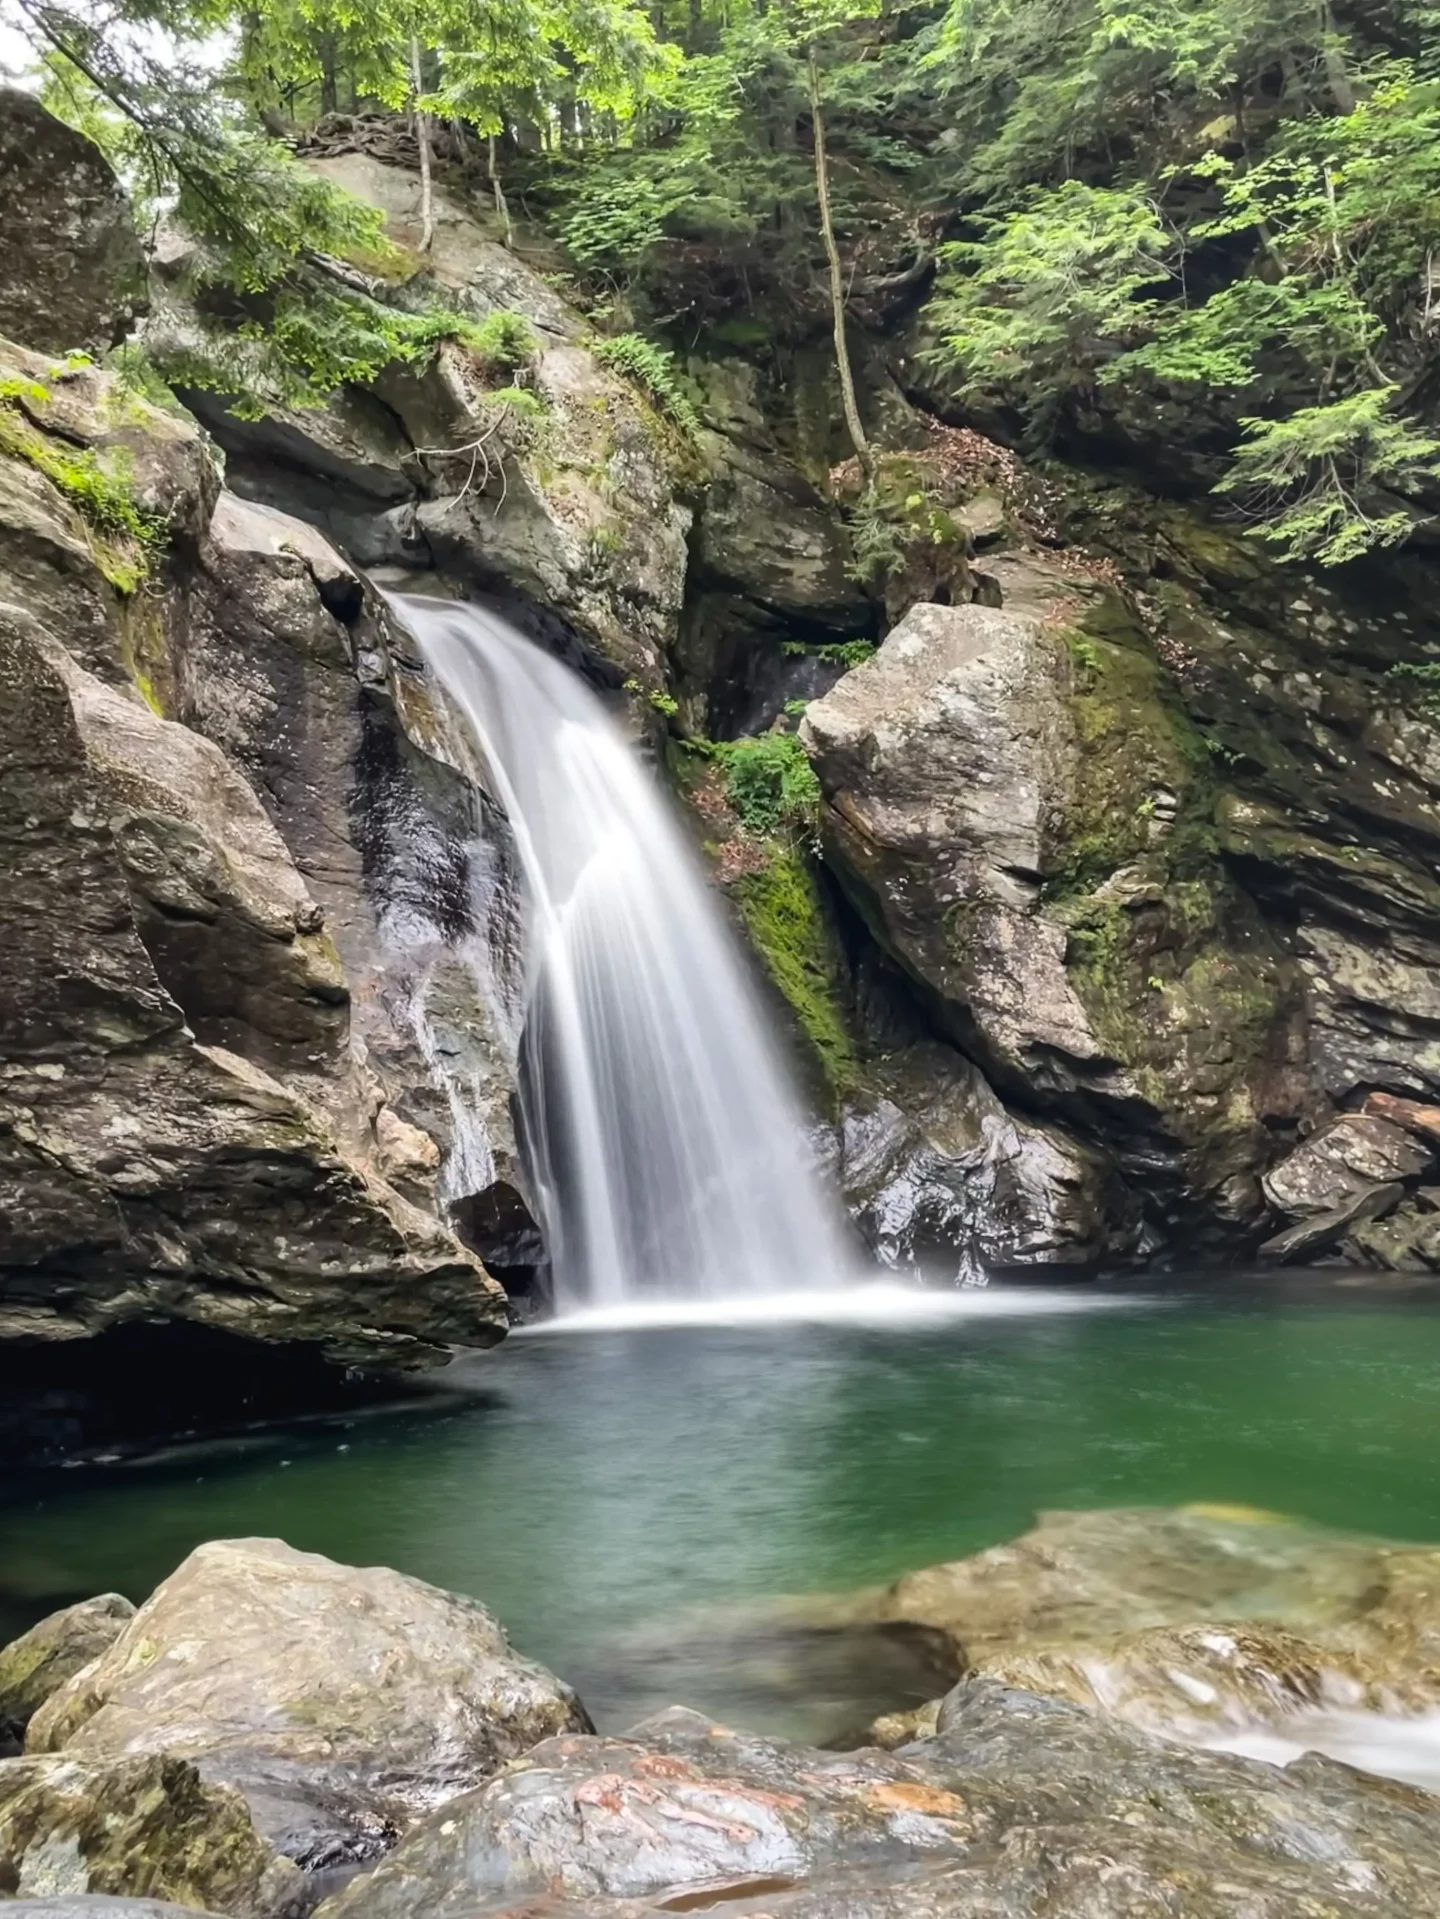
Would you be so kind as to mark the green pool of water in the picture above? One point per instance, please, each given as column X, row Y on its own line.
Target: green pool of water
column 596, row 1489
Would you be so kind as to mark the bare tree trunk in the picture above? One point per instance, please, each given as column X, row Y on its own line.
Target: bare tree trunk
column 837, row 279
column 422, row 137
column 329, row 86
column 497, row 193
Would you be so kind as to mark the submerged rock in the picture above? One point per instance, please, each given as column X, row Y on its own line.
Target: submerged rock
column 40, row 1661
column 1085, row 1576
column 140, row 1825
column 341, row 1703
column 1016, row 1805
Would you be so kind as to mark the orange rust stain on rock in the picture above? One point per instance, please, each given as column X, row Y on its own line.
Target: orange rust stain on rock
column 664, row 1765
column 901, row 1795
column 606, row 1789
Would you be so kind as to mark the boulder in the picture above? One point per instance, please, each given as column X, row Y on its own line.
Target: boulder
column 1093, row 1575
column 1018, row 810
column 1342, row 1161
column 1423, row 1121
column 340, row 1703
column 144, row 1826
column 73, row 272
column 1317, row 1232
column 40, row 1661
column 1016, row 1805
column 937, row 1173
column 188, row 1095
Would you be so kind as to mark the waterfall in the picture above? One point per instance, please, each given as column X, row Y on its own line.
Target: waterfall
column 666, row 1147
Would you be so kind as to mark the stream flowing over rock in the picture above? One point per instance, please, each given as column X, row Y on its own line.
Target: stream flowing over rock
column 1016, row 1805
column 272, row 1728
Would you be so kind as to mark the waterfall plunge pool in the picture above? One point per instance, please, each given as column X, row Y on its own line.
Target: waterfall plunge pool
column 623, row 1497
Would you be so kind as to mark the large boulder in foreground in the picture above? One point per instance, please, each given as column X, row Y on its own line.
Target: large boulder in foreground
column 143, row 1825
column 72, row 273
column 342, row 1703
column 40, row 1661
column 1017, row 1806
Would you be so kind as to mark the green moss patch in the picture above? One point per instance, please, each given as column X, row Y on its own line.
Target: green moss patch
column 126, row 538
column 785, row 916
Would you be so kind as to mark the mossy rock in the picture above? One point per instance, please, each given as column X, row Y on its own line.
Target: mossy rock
column 43, row 1659
column 790, row 926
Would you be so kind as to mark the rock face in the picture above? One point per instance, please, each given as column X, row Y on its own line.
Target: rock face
column 584, row 519
column 932, row 1164
column 40, row 1661
column 1073, row 817
column 142, row 1826
column 73, row 276
column 340, row 1704
column 1017, row 810
column 187, row 1109
column 1016, row 1806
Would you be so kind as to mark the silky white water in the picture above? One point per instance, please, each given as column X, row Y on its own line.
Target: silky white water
column 667, row 1149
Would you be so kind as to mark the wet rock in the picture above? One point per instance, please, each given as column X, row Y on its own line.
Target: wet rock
column 186, row 1085
column 1320, row 1231
column 1342, row 1161
column 935, row 1170
column 144, row 1826
column 73, row 273
column 97, row 1905
column 1016, row 1805
column 1194, row 1682
column 1092, row 1575
column 340, row 1703
column 1423, row 1121
column 53, row 1651
column 1406, row 1241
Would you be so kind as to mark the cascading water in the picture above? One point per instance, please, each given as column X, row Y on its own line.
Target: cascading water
column 666, row 1146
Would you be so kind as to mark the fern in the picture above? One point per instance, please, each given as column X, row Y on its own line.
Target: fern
column 652, row 368
column 770, row 783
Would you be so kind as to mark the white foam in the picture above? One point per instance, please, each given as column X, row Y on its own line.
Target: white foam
column 1396, row 1748
column 881, row 1303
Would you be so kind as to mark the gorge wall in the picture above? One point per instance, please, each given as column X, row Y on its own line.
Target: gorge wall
column 1118, row 935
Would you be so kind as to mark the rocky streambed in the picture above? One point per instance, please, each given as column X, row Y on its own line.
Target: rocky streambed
column 271, row 1733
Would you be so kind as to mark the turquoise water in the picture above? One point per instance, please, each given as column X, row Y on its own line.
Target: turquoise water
column 594, row 1489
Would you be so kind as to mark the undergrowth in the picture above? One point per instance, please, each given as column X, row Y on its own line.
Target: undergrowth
column 127, row 538
column 652, row 368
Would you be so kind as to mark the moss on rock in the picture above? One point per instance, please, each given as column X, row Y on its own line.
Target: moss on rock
column 785, row 915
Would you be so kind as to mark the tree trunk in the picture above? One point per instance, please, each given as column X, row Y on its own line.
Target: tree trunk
column 837, row 279
column 329, row 87
column 1342, row 90
column 422, row 137
column 497, row 193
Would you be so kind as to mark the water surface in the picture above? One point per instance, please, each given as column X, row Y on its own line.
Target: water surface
column 596, row 1488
